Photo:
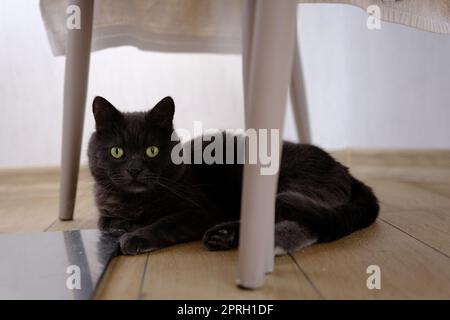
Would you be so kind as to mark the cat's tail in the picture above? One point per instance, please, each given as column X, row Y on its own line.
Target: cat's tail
column 328, row 224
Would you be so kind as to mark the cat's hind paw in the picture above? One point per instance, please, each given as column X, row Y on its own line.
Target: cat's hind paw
column 222, row 236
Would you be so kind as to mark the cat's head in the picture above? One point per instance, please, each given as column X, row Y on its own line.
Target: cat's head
column 130, row 151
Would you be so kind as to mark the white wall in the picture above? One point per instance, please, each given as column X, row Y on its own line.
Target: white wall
column 387, row 88
column 374, row 89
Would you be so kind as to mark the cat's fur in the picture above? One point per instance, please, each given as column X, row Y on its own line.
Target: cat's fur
column 165, row 204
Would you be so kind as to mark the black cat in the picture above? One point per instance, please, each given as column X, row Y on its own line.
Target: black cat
column 151, row 203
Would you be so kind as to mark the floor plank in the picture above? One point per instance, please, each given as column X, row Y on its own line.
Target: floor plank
column 430, row 227
column 401, row 165
column 439, row 188
column 29, row 201
column 190, row 272
column 409, row 269
column 123, row 278
column 396, row 196
column 26, row 213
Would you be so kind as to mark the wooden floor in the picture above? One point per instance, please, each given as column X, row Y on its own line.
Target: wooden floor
column 410, row 242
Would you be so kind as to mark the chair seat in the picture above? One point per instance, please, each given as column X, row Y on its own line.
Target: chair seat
column 207, row 26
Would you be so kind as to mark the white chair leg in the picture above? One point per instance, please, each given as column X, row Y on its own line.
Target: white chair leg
column 249, row 7
column 249, row 11
column 269, row 73
column 248, row 19
column 298, row 97
column 75, row 87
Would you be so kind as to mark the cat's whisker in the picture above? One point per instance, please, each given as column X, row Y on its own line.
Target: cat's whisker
column 178, row 195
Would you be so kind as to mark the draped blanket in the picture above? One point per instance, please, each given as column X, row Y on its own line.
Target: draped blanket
column 207, row 25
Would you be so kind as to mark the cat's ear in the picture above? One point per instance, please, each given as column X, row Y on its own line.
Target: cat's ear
column 162, row 113
column 105, row 113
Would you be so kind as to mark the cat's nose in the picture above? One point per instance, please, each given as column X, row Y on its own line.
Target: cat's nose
column 134, row 172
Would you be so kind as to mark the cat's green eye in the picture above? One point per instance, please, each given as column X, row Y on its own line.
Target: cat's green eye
column 117, row 152
column 152, row 151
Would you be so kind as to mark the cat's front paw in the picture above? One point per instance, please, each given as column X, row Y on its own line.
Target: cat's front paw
column 113, row 227
column 114, row 232
column 133, row 244
column 222, row 236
